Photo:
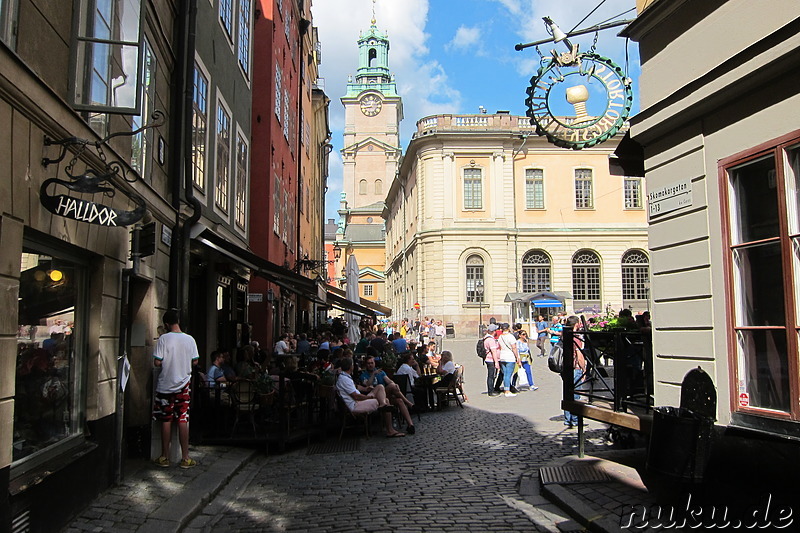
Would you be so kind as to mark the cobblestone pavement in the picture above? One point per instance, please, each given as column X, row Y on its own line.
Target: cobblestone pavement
column 462, row 471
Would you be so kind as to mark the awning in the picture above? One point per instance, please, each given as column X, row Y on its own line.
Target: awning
column 283, row 277
column 334, row 300
column 547, row 303
column 372, row 307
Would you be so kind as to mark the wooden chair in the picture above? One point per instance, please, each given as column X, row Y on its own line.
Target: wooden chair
column 452, row 390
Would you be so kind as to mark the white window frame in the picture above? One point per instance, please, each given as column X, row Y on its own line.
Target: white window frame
column 278, row 92
column 369, row 289
column 9, row 11
column 245, row 34
column 203, row 184
column 230, row 32
column 242, row 180
column 142, row 157
column 531, row 181
column 632, row 192
column 277, row 215
column 582, row 203
column 222, row 188
column 477, row 202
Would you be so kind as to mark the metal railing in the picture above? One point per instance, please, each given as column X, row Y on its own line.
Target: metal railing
column 619, row 369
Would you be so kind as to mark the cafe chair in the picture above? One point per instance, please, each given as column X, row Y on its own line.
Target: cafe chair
column 402, row 381
column 351, row 419
column 244, row 401
column 451, row 391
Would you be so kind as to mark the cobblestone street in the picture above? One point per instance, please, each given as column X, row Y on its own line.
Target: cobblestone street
column 462, row 471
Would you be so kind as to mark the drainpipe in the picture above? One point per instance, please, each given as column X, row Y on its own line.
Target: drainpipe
column 514, row 198
column 181, row 166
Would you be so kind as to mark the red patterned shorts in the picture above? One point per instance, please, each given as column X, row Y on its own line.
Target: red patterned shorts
column 172, row 405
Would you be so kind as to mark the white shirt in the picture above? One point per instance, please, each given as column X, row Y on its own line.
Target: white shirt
column 507, row 340
column 346, row 387
column 439, row 330
column 176, row 351
column 449, row 367
column 406, row 370
column 281, row 347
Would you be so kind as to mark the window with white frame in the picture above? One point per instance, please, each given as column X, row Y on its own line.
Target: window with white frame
column 244, row 36
column 763, row 258
column 223, row 157
column 633, row 192
column 473, row 188
column 369, row 289
column 635, row 276
column 226, row 16
column 199, row 127
column 107, row 48
column 586, row 277
column 286, row 118
column 142, row 142
column 535, row 271
column 534, row 188
column 242, row 179
column 278, row 91
column 583, row 189
column 276, row 204
column 8, row 22
column 474, row 277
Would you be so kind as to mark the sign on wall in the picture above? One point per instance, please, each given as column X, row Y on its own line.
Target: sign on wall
column 670, row 198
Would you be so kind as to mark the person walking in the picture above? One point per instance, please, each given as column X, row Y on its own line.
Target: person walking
column 578, row 367
column 524, row 350
column 176, row 353
column 492, row 348
column 555, row 333
column 509, row 357
column 541, row 335
column 439, row 331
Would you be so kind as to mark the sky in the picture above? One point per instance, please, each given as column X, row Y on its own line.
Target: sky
column 453, row 56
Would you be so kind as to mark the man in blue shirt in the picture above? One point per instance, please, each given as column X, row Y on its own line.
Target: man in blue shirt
column 372, row 376
column 400, row 344
column 541, row 335
column 555, row 330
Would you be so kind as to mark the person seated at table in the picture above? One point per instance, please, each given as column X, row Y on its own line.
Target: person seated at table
column 282, row 346
column 410, row 368
column 215, row 375
column 247, row 368
column 303, row 346
column 360, row 399
column 372, row 376
column 433, row 357
column 399, row 343
column 446, row 369
column 303, row 382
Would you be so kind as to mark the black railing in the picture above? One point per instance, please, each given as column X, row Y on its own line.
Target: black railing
column 619, row 369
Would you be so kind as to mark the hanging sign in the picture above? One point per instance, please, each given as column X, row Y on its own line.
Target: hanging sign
column 85, row 210
column 579, row 100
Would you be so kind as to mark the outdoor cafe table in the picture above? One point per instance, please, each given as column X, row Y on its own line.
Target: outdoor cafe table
column 428, row 382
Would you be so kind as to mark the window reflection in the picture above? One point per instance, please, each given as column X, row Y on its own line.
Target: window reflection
column 44, row 401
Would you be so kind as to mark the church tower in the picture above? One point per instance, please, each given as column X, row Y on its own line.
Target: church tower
column 373, row 111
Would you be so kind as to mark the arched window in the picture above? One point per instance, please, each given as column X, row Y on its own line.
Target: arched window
column 373, row 56
column 362, row 187
column 586, row 279
column 535, row 271
column 378, row 187
column 635, row 278
column 475, row 282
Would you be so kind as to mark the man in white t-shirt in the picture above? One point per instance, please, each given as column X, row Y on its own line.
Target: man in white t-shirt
column 282, row 346
column 176, row 353
column 509, row 357
column 366, row 400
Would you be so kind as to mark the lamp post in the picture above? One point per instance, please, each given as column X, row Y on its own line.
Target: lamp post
column 479, row 298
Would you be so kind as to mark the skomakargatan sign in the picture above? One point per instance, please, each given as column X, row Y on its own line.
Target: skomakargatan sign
column 579, row 100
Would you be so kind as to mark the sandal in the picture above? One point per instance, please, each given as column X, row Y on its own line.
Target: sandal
column 394, row 435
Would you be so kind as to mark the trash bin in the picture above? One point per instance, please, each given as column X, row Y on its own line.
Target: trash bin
column 450, row 330
column 680, row 442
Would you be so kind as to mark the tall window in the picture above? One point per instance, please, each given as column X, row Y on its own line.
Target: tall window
column 475, row 282
column 278, row 91
column 50, row 350
column 226, row 16
column 583, row 188
column 223, row 157
column 378, row 187
column 369, row 289
column 142, row 142
column 286, row 114
column 244, row 36
column 586, row 278
column 106, row 56
column 473, row 188
column 242, row 159
column 535, row 271
column 633, row 193
column 8, row 22
column 534, row 188
column 763, row 197
column 635, row 277
column 276, row 205
column 362, row 187
column 199, row 127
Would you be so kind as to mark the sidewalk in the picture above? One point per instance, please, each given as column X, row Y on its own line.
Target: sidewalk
column 153, row 499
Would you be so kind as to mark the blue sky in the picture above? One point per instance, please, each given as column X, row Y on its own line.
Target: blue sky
column 452, row 56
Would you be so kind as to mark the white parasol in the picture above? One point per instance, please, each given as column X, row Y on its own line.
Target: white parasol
column 351, row 277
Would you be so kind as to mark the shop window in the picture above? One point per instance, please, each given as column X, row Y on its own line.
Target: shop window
column 535, row 271
column 106, row 56
column 50, row 350
column 763, row 258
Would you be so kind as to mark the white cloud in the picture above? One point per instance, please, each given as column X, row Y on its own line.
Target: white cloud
column 465, row 38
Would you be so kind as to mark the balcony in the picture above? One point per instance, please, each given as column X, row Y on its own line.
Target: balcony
column 500, row 122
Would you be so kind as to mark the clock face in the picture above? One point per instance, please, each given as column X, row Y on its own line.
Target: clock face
column 371, row 105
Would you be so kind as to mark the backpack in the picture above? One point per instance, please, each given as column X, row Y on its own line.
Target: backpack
column 480, row 348
column 556, row 360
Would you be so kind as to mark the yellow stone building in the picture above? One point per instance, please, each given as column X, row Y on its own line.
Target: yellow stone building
column 484, row 212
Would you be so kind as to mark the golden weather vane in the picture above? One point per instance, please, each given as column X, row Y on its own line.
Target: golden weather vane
column 373, row 12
